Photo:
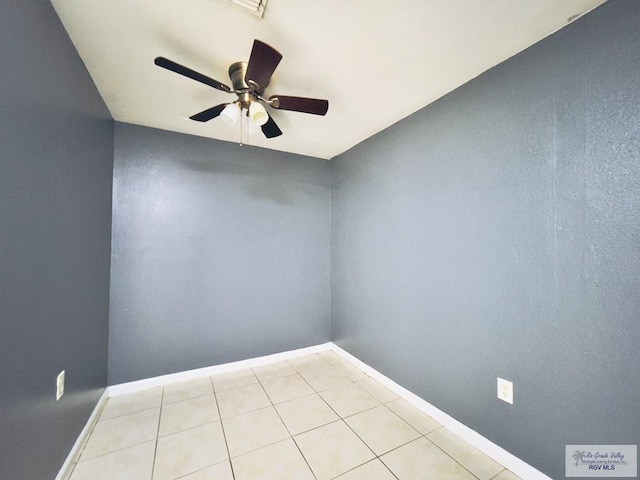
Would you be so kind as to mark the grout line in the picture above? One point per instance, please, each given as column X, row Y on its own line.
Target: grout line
column 398, row 446
column 116, row 450
column 121, row 448
column 387, row 467
column 278, row 378
column 72, row 469
column 173, row 402
column 304, row 458
column 365, row 463
column 69, row 465
column 155, row 450
column 504, row 458
column 343, row 419
column 188, row 428
column 449, row 455
column 196, row 471
column 273, row 405
column 407, row 422
column 322, row 364
column 340, row 419
column 86, row 441
column 102, row 420
column 498, row 474
column 224, row 435
column 144, row 384
column 377, row 457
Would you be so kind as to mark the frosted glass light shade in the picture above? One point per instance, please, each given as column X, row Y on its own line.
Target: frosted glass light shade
column 252, row 127
column 258, row 114
column 230, row 114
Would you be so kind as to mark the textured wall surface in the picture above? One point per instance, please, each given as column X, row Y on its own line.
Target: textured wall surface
column 497, row 233
column 220, row 253
column 56, row 159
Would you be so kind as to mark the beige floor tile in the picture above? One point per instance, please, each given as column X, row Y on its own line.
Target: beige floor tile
column 374, row 470
column 422, row 460
column 350, row 371
column 186, row 414
column 281, row 461
column 175, row 392
column 415, row 417
column 381, row 429
column 253, row 430
column 507, row 475
column 306, row 413
column 377, row 390
column 242, row 400
column 326, row 378
column 331, row 357
column 259, row 419
column 470, row 457
column 132, row 402
column 121, row 432
column 308, row 363
column 273, row 370
column 333, row 449
column 349, row 400
column 287, row 388
column 189, row 451
column 220, row 471
column 231, row 380
column 133, row 462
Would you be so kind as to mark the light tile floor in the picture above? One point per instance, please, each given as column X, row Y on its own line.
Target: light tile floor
column 315, row 417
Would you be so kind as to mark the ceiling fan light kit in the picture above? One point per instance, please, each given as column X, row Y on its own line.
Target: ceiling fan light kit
column 249, row 81
column 231, row 113
column 258, row 114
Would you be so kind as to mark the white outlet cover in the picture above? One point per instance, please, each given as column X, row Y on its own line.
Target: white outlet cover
column 60, row 385
column 505, row 390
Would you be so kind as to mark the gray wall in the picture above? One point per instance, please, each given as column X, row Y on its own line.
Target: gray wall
column 56, row 156
column 220, row 253
column 497, row 233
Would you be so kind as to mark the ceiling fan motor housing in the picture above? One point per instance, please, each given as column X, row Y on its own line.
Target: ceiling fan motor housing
column 237, row 72
column 246, row 95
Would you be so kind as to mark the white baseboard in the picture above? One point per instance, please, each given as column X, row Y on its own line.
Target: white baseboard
column 138, row 385
column 74, row 453
column 499, row 454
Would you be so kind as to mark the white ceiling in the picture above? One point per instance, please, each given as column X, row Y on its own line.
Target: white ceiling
column 376, row 61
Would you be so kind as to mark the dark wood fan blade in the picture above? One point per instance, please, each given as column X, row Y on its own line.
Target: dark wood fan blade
column 209, row 113
column 315, row 106
column 262, row 63
column 187, row 72
column 270, row 129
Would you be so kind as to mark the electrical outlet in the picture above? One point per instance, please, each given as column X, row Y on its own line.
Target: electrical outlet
column 59, row 385
column 505, row 390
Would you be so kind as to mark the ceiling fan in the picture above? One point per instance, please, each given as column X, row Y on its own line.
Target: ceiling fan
column 249, row 81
